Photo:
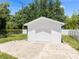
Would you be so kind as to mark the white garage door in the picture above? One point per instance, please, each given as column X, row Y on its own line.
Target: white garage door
column 44, row 37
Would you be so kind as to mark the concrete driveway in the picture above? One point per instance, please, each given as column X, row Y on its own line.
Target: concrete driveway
column 27, row 50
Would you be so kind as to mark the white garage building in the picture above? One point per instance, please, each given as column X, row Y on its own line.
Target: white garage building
column 43, row 30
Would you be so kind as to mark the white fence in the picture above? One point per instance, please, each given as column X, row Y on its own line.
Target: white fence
column 74, row 33
column 24, row 31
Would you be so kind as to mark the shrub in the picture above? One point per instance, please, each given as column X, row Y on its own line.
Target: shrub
column 8, row 32
column 13, row 31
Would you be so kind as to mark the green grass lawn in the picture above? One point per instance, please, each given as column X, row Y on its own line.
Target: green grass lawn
column 71, row 41
column 13, row 38
column 6, row 56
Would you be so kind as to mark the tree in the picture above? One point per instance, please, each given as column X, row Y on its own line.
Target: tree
column 4, row 12
column 58, row 11
column 11, row 23
column 73, row 22
column 46, row 8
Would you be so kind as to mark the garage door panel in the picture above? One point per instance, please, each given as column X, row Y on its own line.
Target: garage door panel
column 44, row 36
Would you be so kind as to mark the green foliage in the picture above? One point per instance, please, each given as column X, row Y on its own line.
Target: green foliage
column 47, row 8
column 6, row 56
column 11, row 25
column 13, row 38
column 73, row 22
column 13, row 31
column 10, row 32
column 4, row 12
column 71, row 41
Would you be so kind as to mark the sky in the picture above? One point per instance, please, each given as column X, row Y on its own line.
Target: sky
column 69, row 5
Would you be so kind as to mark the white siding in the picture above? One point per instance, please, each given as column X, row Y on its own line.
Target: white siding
column 56, row 37
column 43, row 25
